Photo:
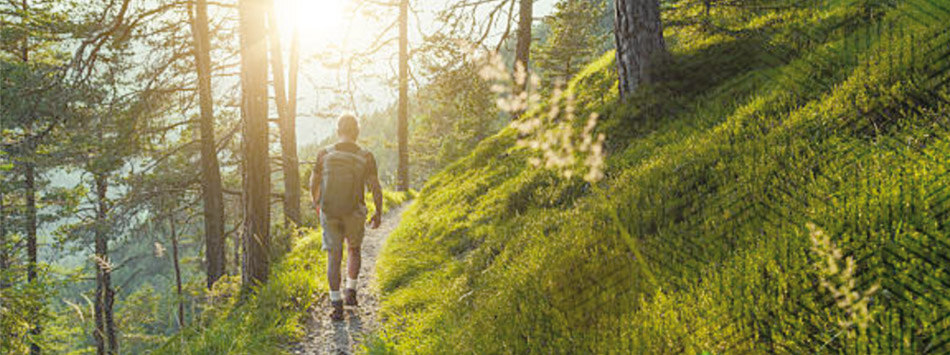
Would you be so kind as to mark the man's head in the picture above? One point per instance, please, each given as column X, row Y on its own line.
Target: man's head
column 347, row 127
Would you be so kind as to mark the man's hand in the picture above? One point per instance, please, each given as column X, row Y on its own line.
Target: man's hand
column 375, row 221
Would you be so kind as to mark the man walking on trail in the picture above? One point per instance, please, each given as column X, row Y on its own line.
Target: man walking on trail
column 337, row 187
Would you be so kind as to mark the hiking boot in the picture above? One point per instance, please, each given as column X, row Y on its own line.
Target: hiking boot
column 337, row 314
column 349, row 296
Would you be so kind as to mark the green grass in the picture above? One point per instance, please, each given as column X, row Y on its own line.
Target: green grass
column 272, row 317
column 269, row 317
column 696, row 239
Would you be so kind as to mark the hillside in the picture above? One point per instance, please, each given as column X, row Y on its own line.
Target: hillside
column 784, row 127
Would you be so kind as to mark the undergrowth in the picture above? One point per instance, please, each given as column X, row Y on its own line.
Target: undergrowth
column 266, row 320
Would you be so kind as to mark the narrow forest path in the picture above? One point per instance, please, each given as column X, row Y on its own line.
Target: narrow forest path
column 327, row 337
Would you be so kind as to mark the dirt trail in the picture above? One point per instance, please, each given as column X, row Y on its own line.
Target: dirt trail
column 327, row 337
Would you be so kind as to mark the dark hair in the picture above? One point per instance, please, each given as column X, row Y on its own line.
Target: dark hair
column 348, row 125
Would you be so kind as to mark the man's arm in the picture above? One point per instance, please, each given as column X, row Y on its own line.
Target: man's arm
column 377, row 191
column 372, row 181
column 315, row 177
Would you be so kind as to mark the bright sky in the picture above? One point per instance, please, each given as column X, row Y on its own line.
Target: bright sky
column 335, row 26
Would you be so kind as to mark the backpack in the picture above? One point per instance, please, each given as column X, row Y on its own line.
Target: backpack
column 343, row 179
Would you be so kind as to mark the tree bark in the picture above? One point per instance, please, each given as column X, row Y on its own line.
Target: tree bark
column 257, row 173
column 212, row 195
column 4, row 256
column 523, row 42
column 402, row 174
column 106, row 342
column 638, row 32
column 287, row 126
column 292, row 108
column 292, row 76
column 31, row 246
column 174, row 237
column 31, row 225
column 238, row 247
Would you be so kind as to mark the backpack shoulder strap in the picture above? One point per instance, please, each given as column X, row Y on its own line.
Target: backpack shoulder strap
column 364, row 153
column 321, row 158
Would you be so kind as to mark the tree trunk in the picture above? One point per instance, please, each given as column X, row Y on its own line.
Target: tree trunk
column 638, row 32
column 257, row 172
column 181, row 303
column 4, row 256
column 210, row 172
column 523, row 42
column 402, row 174
column 31, row 224
column 106, row 342
column 706, row 20
column 292, row 110
column 292, row 76
column 31, row 248
column 100, row 334
column 238, row 245
column 287, row 126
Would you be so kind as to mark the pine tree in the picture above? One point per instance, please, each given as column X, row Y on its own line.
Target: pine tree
column 286, row 123
column 256, row 170
column 34, row 100
column 573, row 40
column 211, row 189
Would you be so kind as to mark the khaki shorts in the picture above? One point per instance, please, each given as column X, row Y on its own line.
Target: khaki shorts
column 351, row 227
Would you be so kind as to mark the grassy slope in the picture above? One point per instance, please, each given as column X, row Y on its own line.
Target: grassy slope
column 696, row 239
column 273, row 316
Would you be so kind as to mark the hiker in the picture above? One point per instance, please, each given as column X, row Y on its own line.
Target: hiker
column 336, row 185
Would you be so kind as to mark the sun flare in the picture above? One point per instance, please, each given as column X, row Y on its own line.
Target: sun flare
column 318, row 21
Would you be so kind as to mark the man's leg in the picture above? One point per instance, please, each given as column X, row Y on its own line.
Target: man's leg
column 334, row 259
column 333, row 244
column 353, row 259
column 354, row 239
